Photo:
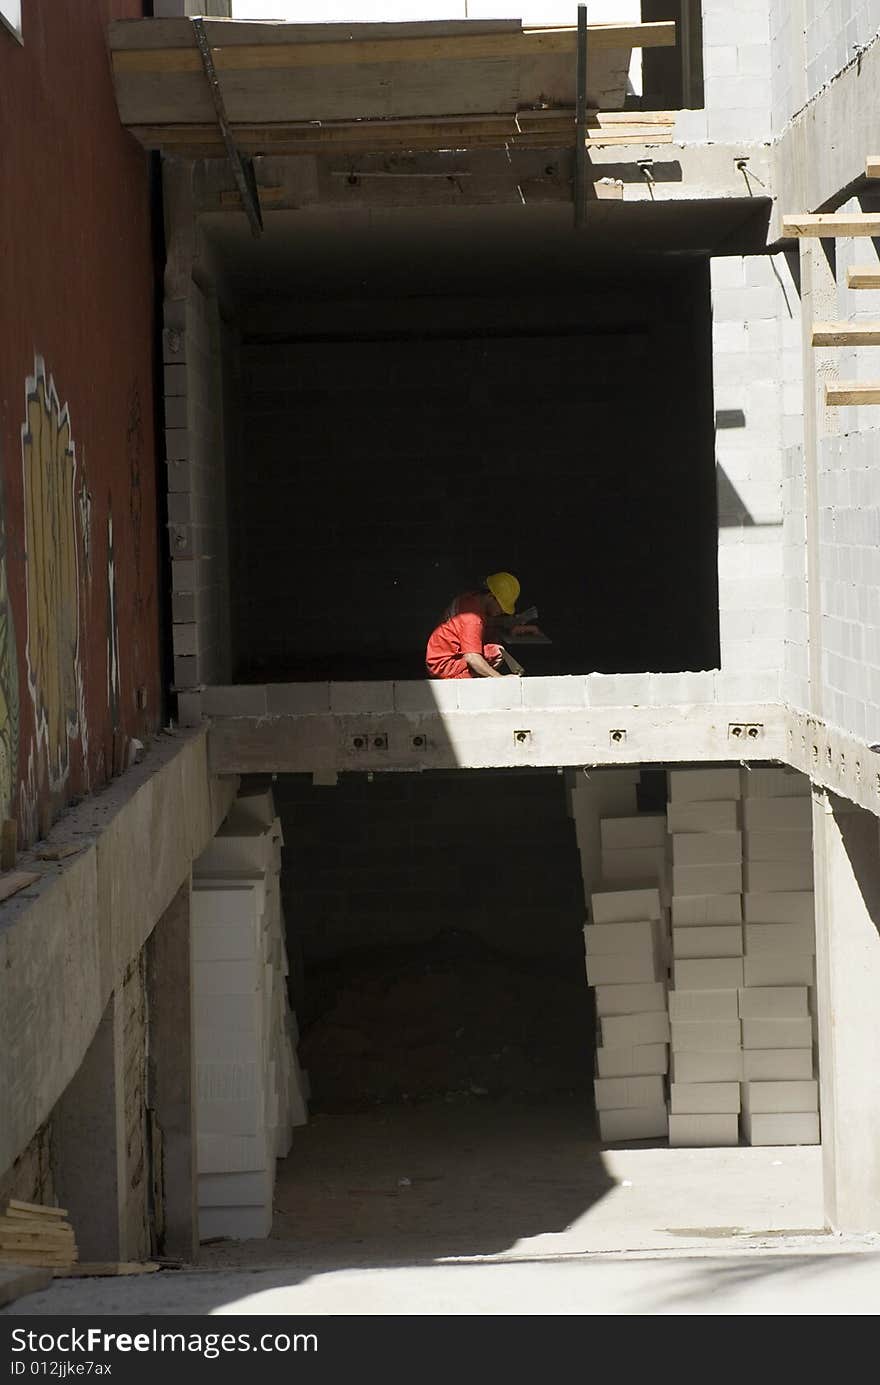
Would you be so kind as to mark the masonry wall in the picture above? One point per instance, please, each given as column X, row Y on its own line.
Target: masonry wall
column 79, row 656
column 813, row 40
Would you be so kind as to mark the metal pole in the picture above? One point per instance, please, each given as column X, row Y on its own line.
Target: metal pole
column 580, row 150
column 242, row 168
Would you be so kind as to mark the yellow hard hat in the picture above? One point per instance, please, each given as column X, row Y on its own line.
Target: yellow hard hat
column 505, row 589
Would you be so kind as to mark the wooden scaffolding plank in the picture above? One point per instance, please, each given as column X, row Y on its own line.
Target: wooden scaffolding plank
column 872, row 166
column 128, row 34
column 852, row 393
column 236, row 57
column 846, row 334
column 830, row 224
column 863, row 277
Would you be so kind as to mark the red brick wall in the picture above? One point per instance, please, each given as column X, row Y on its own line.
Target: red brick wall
column 79, row 646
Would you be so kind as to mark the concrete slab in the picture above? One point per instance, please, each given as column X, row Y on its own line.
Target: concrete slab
column 18, row 1280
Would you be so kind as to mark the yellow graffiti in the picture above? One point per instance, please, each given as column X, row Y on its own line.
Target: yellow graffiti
column 53, row 544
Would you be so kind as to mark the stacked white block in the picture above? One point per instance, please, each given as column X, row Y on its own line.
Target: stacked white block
column 634, row 852
column 703, row 823
column 777, row 1009
column 626, row 963
column 250, row 1090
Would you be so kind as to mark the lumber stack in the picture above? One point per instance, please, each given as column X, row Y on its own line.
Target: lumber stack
column 33, row 1234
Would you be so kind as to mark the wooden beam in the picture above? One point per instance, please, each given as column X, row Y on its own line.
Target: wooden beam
column 529, row 43
column 831, row 224
column 872, row 166
column 852, row 393
column 863, row 278
column 846, row 334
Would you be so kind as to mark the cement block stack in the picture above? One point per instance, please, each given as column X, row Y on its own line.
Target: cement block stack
column 707, row 950
column 249, row 1086
column 625, row 962
column 780, row 1097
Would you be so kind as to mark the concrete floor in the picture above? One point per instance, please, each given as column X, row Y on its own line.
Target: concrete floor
column 477, row 1206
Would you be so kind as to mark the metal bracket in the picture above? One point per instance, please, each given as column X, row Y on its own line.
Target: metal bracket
column 242, row 167
column 580, row 148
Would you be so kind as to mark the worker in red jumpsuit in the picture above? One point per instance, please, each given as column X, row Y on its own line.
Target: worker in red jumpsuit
column 462, row 645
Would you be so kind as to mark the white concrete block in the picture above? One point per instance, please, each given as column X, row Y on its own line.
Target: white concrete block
column 245, row 1117
column 236, row 1014
column 297, row 699
column 615, row 938
column 634, row 865
column 777, row 1064
column 236, row 1189
column 703, row 1005
column 781, row 906
column 704, row 1098
column 760, row 1098
column 236, row 1223
column 793, row 814
column 702, row 785
column 632, row 999
column 787, row 938
column 619, row 1093
column 616, row 969
column 703, row 1131
column 792, row 1128
column 230, row 943
column 769, row 877
column 705, row 1036
column 644, row 830
column 639, row 1123
column 691, row 911
column 427, row 695
column 774, row 782
column 641, row 1059
column 773, row 1003
column 682, row 689
column 713, row 974
column 778, row 846
column 793, row 1033
column 721, row 816
column 716, row 879
column 623, row 906
column 619, row 689
column 718, row 1065
column 353, row 699
column 706, row 848
column 230, row 1080
column 241, row 700
column 779, row 969
column 226, row 978
column 238, row 900
column 213, row 1043
column 719, row 940
column 565, row 691
column 629, row 1031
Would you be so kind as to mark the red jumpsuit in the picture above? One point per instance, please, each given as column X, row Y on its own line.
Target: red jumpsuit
column 462, row 631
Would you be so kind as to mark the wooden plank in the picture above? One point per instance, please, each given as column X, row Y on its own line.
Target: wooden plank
column 872, row 166
column 31, row 1257
column 830, row 224
column 846, row 334
column 126, row 34
column 863, row 278
column 852, row 393
column 18, row 880
column 529, row 43
column 33, row 1209
column 8, row 843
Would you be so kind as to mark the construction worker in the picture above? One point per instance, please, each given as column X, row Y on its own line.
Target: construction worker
column 462, row 644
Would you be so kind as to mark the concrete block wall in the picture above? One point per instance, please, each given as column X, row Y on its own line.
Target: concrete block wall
column 757, row 388
column 795, row 668
column 197, row 509
column 811, row 41
column 737, row 70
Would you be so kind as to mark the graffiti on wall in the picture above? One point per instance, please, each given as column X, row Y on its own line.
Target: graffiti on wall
column 57, row 547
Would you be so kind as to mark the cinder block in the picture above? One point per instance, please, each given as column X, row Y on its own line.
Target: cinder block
column 720, row 940
column 682, row 689
column 644, row 830
column 564, row 691
column 233, row 1080
column 630, row 1031
column 233, row 1153
column 703, row 1005
column 233, row 942
column 705, row 1036
column 773, row 1003
column 245, row 1117
column 236, row 1223
column 703, row 1131
column 610, row 969
column 623, row 906
column 778, row 846
column 713, row 974
column 771, row 1098
column 777, row 1064
column 642, row 1059
column 787, row 938
column 778, row 815
column 693, row 911
column 240, row 700
column 236, row 1189
column 704, row 1098
column 218, row 901
column 792, row 1128
column 706, row 848
column 611, row 938
column 634, row 865
column 779, row 969
column 619, row 689
column 634, row 1123
column 353, row 699
column 782, row 906
column 236, row 1014
column 620, row 1093
column 225, row 978
column 703, row 785
column 297, row 699
column 721, row 816
column 774, row 783
column 717, row 879
column 770, row 877
column 634, row 998
column 189, row 708
column 718, row 1065
column 794, row 1033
